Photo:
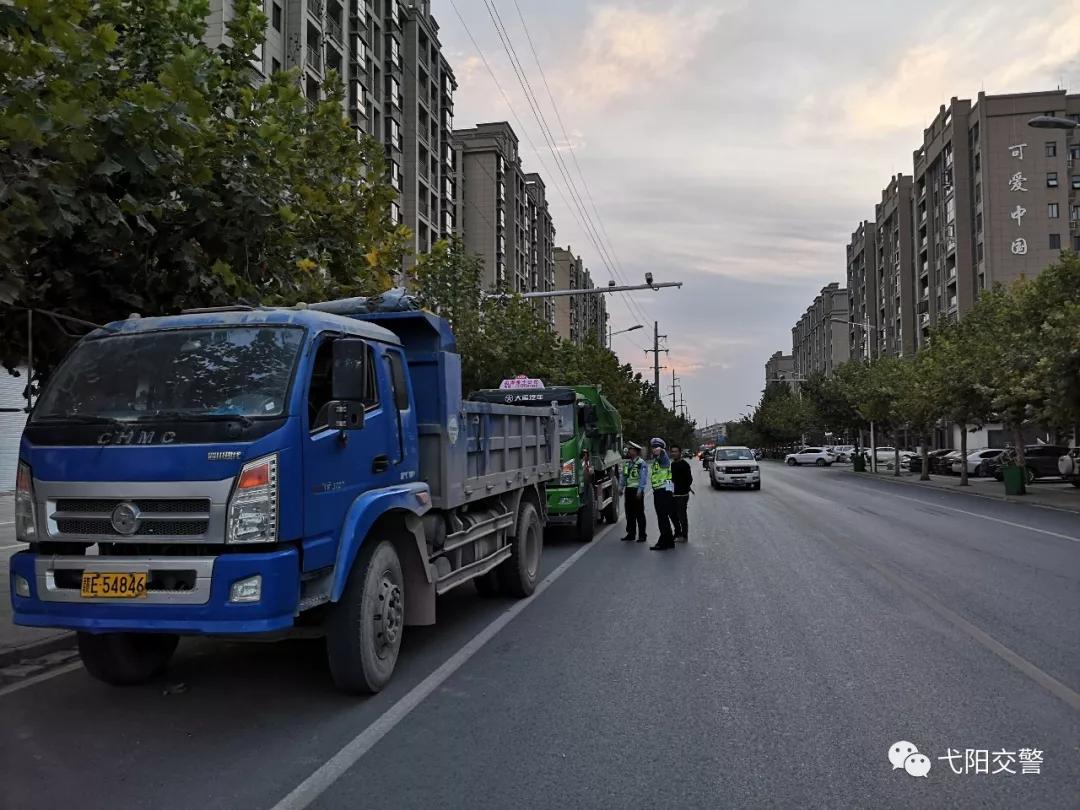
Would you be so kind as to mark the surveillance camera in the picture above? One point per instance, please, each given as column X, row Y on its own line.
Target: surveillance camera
column 648, row 278
column 611, row 283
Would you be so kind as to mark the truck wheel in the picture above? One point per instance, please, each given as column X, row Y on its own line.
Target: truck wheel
column 611, row 511
column 586, row 517
column 123, row 659
column 518, row 575
column 363, row 631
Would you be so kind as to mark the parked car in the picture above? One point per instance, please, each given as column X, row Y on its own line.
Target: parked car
column 734, row 467
column 810, row 455
column 1040, row 461
column 942, row 463
column 915, row 463
column 978, row 461
column 842, row 452
column 1069, row 466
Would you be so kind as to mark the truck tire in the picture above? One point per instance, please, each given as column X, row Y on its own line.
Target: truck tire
column 611, row 511
column 363, row 631
column 519, row 574
column 123, row 659
column 586, row 517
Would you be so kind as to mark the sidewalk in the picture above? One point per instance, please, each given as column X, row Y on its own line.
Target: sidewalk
column 1052, row 494
column 20, row 643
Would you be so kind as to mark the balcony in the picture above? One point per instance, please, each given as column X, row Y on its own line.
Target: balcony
column 313, row 57
column 333, row 29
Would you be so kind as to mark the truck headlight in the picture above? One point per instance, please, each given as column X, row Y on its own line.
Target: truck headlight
column 569, row 472
column 253, row 508
column 25, row 524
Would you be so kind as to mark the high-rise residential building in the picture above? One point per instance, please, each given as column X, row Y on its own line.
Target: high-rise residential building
column 991, row 196
column 780, row 368
column 895, row 299
column 820, row 340
column 398, row 88
column 862, row 284
column 577, row 317
column 502, row 212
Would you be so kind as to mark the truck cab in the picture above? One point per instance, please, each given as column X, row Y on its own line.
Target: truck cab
column 241, row 472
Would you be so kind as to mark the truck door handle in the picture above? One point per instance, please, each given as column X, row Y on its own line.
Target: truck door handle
column 380, row 464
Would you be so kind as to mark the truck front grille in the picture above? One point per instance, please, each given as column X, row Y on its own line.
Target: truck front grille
column 158, row 517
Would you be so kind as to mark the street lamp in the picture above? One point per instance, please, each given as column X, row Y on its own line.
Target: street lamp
column 622, row 332
column 1052, row 122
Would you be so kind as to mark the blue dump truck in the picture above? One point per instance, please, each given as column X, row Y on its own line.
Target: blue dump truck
column 256, row 472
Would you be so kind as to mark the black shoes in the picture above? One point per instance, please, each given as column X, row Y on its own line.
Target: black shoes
column 642, row 540
column 627, row 539
column 661, row 546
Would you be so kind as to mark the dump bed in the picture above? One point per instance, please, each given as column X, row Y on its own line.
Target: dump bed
column 468, row 450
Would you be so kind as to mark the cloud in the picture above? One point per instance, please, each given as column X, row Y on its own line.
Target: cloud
column 1001, row 49
column 627, row 51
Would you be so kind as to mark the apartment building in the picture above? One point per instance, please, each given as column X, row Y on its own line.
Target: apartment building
column 398, row 88
column 862, row 284
column 780, row 368
column 577, row 317
column 820, row 341
column 895, row 298
column 502, row 213
column 994, row 199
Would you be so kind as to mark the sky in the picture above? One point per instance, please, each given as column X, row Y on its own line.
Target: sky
column 733, row 146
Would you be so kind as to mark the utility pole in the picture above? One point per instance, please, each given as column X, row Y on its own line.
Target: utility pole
column 656, row 359
column 674, row 388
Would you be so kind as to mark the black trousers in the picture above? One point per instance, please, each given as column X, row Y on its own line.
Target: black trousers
column 662, row 503
column 635, row 514
column 678, row 514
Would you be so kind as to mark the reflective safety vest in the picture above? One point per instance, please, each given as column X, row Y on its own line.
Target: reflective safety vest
column 632, row 473
column 660, row 476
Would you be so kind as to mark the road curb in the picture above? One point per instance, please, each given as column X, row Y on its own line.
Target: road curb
column 36, row 649
column 983, row 495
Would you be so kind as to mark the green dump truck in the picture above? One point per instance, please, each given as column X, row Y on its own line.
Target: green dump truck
column 590, row 429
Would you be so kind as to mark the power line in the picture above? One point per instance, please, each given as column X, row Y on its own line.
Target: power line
column 525, row 132
column 570, row 146
column 591, row 231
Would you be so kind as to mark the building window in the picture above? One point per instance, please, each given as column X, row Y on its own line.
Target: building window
column 275, row 66
column 275, row 17
column 1074, row 214
column 978, row 222
column 979, row 251
column 1074, row 152
column 1055, row 241
column 1051, row 180
column 1076, row 244
column 1076, row 181
column 1051, row 148
column 1052, row 210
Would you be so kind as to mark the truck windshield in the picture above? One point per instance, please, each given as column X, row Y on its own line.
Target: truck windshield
column 567, row 412
column 186, row 373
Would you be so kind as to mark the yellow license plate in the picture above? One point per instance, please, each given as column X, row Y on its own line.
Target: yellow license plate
column 102, row 585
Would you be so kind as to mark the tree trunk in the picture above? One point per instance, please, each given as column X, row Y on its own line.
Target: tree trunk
column 1018, row 440
column 925, row 453
column 963, row 455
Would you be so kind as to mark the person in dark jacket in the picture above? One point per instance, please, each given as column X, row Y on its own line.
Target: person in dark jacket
column 683, row 478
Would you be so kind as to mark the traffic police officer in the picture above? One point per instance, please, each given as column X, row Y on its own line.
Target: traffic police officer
column 635, row 477
column 663, row 491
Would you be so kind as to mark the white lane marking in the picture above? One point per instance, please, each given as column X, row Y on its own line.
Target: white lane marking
column 936, row 505
column 13, row 545
column 335, row 767
column 44, row 676
column 7, row 522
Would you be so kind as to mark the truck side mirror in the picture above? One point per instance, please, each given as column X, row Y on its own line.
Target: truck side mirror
column 349, row 375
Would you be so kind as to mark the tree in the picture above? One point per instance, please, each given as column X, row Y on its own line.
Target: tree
column 781, row 417
column 144, row 171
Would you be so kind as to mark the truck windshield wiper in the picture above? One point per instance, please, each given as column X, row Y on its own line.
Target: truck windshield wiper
column 191, row 416
column 82, row 419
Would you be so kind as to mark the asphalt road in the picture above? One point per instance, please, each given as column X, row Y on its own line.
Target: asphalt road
column 770, row 662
